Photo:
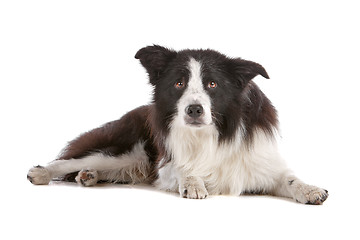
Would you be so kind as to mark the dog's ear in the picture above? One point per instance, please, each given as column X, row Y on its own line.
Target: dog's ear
column 246, row 70
column 155, row 59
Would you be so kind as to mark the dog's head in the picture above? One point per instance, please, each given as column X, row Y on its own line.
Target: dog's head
column 197, row 88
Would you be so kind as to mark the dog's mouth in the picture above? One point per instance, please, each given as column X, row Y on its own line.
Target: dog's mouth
column 196, row 123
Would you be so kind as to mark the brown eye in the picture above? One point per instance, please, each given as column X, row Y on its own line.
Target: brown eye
column 212, row 84
column 179, row 84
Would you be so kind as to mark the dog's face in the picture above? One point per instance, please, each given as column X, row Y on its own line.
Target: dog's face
column 197, row 88
column 193, row 107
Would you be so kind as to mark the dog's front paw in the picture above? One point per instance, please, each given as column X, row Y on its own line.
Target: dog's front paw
column 311, row 195
column 193, row 188
column 194, row 192
column 39, row 175
column 87, row 177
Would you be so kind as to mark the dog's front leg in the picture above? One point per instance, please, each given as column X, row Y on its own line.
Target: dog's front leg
column 292, row 187
column 192, row 187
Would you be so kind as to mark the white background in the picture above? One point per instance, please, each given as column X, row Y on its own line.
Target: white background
column 68, row 66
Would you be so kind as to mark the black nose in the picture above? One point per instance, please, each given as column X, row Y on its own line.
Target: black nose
column 194, row 111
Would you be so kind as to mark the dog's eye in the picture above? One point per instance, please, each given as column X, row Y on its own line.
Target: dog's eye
column 180, row 84
column 212, row 84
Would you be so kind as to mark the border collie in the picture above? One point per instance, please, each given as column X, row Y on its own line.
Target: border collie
column 208, row 131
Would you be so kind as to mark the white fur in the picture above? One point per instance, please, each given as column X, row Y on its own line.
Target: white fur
column 168, row 177
column 39, row 175
column 201, row 165
column 193, row 187
column 225, row 168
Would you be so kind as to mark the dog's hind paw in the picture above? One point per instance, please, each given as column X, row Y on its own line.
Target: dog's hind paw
column 39, row 175
column 87, row 178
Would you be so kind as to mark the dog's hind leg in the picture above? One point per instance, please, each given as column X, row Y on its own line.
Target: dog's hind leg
column 132, row 166
column 120, row 151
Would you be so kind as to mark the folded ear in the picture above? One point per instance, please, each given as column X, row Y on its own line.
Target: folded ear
column 247, row 70
column 155, row 59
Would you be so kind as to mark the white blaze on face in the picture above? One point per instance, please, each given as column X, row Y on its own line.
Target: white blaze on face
column 194, row 94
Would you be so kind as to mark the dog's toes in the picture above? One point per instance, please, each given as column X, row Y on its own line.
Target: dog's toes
column 195, row 193
column 87, row 177
column 193, row 188
column 317, row 197
column 313, row 195
column 39, row 175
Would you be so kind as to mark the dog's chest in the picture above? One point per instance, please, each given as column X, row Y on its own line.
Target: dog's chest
column 226, row 168
column 223, row 168
column 220, row 165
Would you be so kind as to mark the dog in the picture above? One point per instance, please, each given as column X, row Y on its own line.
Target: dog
column 209, row 130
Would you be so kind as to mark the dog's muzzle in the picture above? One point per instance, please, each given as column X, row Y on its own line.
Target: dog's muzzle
column 194, row 115
column 194, row 111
